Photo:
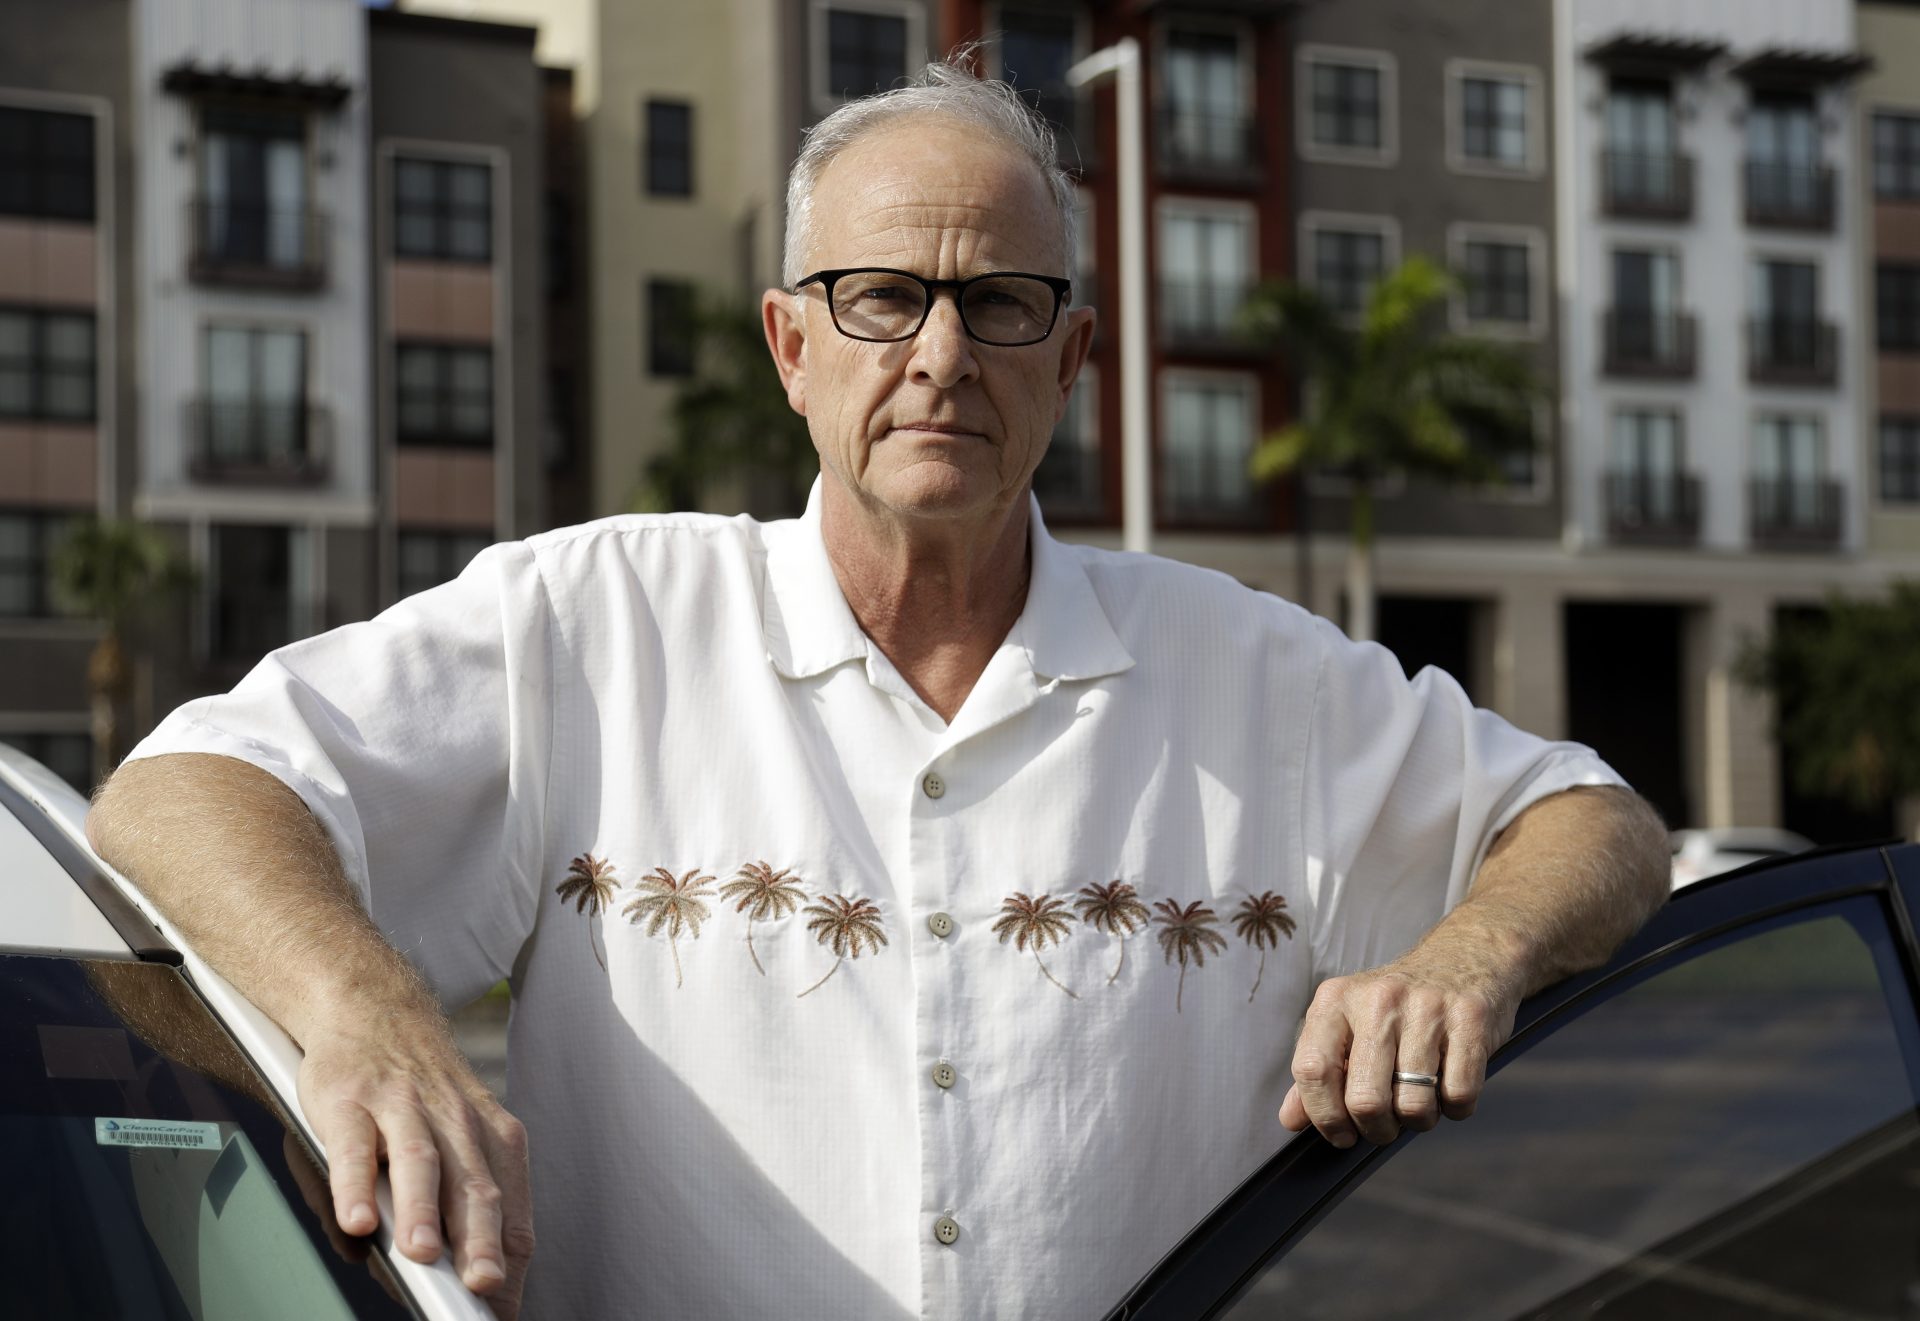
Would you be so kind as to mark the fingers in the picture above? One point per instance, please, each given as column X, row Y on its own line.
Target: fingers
column 1470, row 1039
column 313, row 1191
column 508, row 1150
column 353, row 1163
column 413, row 1171
column 1422, row 1039
column 1320, row 1066
column 1370, row 1064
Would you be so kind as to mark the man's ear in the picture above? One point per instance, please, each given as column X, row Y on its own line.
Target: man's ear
column 1078, row 333
column 780, row 317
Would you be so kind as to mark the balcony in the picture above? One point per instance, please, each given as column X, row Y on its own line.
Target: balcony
column 1068, row 482
column 1794, row 513
column 1203, row 317
column 266, row 246
column 258, row 443
column 1641, row 344
column 1206, row 147
column 1792, row 351
column 1652, row 508
column 1638, row 185
column 1789, row 196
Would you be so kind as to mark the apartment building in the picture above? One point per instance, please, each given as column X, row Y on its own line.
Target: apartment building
column 1887, row 177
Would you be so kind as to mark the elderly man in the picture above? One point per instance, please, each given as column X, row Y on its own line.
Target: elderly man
column 907, row 914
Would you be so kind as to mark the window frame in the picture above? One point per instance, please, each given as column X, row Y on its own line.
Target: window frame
column 1284, row 1199
column 1312, row 224
column 1884, row 424
column 442, row 210
column 1909, row 273
column 1459, row 72
column 819, row 52
column 36, row 160
column 443, row 436
column 652, row 158
column 1461, row 235
column 45, row 526
column 1078, row 99
column 1910, row 115
column 1305, row 57
column 655, row 295
column 1169, row 381
column 35, row 364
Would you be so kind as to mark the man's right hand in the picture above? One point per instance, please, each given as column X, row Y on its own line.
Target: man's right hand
column 402, row 1093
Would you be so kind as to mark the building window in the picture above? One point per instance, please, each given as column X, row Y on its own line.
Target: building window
column 1347, row 264
column 256, row 401
column 865, row 51
column 67, row 755
column 1209, row 436
column 47, row 370
column 257, row 574
column 1203, row 119
column 1499, row 281
column 1900, row 460
column 1646, row 443
column 1786, row 313
column 46, row 164
column 669, row 149
column 445, row 394
column 252, row 210
column 1785, row 178
column 1790, row 468
column 670, row 328
column 1896, row 157
column 1896, row 302
column 1036, row 49
column 1206, row 268
column 1494, row 129
column 1347, row 105
column 443, row 210
column 28, row 540
column 428, row 559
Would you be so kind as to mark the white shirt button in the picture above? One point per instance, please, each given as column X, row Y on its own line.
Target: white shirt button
column 940, row 924
column 945, row 1230
column 932, row 785
column 944, row 1075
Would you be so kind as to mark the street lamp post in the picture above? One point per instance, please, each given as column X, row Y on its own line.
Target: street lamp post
column 1121, row 61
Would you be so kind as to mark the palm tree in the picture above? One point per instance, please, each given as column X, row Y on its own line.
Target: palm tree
column 849, row 926
column 1038, row 921
column 1392, row 394
column 113, row 569
column 763, row 894
column 1261, row 922
column 590, row 885
column 674, row 904
column 1116, row 910
column 1188, row 934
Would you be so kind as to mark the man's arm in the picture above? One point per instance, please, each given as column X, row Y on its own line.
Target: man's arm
column 239, row 865
column 1564, row 884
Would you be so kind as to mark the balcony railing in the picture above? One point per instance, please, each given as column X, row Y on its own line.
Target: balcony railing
column 1203, row 316
column 1794, row 513
column 1207, row 146
column 1645, row 185
column 258, row 442
column 1639, row 343
column 1067, row 482
column 1653, row 508
column 1792, row 351
column 245, row 243
column 1789, row 196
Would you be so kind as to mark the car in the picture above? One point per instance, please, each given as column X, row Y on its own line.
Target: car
column 157, row 1161
column 1698, row 854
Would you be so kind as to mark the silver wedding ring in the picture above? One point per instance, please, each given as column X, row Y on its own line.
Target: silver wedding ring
column 1417, row 1079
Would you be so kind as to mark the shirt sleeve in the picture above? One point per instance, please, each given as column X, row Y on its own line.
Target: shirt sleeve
column 1406, row 786
column 420, row 740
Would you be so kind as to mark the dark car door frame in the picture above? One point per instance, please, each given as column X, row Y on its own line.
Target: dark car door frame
column 1307, row 1177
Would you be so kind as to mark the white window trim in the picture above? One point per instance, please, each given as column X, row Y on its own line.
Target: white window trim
column 1823, row 432
column 1459, row 235
column 1243, row 37
column 1811, row 256
column 823, row 99
column 1457, row 72
column 1312, row 223
column 1171, row 378
column 1304, row 58
column 995, row 28
column 1180, row 207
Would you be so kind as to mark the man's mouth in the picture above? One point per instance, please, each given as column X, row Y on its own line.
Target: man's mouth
column 938, row 429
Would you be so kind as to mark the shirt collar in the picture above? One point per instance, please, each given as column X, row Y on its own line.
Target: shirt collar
column 809, row 627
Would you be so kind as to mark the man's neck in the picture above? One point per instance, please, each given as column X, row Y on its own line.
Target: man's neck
column 937, row 597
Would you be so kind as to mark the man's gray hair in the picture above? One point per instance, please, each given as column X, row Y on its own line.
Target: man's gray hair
column 945, row 87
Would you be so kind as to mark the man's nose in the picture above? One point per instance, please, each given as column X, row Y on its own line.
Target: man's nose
column 942, row 351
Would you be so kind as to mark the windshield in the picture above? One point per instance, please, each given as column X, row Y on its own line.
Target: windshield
column 142, row 1184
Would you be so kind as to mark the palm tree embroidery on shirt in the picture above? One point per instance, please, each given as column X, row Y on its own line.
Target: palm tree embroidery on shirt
column 849, row 927
column 1261, row 922
column 764, row 895
column 675, row 904
column 1188, row 934
column 1038, row 921
column 1116, row 910
column 589, row 885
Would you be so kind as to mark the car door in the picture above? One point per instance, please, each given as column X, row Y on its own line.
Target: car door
column 1720, row 1123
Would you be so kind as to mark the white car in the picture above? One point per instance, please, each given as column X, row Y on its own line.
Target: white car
column 1698, row 854
column 156, row 1160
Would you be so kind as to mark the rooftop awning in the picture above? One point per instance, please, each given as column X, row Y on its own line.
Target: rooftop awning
column 1802, row 68
column 191, row 79
column 1653, row 52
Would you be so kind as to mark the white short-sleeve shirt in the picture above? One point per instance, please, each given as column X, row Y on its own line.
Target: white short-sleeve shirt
column 805, row 978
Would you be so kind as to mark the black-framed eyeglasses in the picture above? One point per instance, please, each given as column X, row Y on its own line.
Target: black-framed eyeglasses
column 1003, row 308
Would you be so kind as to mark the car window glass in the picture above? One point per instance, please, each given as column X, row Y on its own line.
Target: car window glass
column 141, row 1184
column 1734, row 1136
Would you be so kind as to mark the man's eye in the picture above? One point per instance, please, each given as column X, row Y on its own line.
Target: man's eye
column 882, row 293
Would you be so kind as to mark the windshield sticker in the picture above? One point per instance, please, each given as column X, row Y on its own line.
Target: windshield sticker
column 181, row 1134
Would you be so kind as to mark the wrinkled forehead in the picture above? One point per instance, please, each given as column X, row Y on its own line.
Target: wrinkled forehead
column 931, row 193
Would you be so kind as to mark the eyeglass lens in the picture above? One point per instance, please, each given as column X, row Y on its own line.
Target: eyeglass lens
column 1003, row 309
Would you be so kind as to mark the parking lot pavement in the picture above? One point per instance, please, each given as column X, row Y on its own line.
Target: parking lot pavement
column 481, row 1029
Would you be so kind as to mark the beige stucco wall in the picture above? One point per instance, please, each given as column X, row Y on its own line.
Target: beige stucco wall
column 566, row 30
column 1891, row 35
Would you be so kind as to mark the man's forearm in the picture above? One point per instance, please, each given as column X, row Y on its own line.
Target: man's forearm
column 1570, row 879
